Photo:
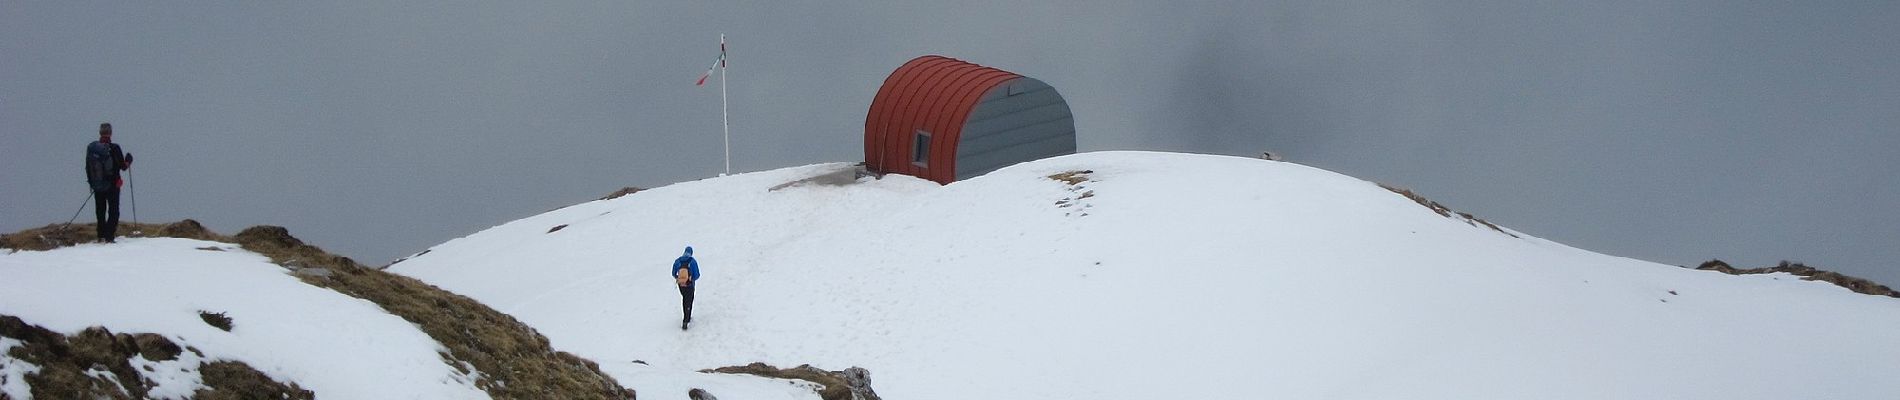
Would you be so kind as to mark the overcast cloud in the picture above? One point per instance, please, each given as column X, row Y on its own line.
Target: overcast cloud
column 1670, row 131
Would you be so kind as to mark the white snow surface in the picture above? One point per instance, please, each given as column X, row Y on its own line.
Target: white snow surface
column 334, row 345
column 13, row 371
column 1162, row 276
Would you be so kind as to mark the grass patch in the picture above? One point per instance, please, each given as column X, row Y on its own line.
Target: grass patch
column 850, row 384
column 63, row 235
column 1073, row 177
column 1806, row 273
column 76, row 367
column 622, row 192
column 1446, row 211
column 229, row 380
column 216, row 320
column 515, row 361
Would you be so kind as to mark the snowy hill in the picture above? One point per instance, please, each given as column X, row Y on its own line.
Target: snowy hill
column 178, row 311
column 1135, row 275
column 331, row 344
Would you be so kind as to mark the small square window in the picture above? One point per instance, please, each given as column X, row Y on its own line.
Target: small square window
column 920, row 149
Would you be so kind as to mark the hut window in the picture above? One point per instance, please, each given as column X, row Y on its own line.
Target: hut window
column 920, row 149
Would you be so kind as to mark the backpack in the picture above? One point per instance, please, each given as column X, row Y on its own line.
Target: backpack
column 101, row 170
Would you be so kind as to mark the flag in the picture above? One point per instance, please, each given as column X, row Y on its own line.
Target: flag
column 717, row 63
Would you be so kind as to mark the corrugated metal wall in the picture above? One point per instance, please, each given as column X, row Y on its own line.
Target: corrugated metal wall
column 1021, row 120
column 1000, row 116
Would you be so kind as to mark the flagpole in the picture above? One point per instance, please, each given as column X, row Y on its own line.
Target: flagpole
column 723, row 119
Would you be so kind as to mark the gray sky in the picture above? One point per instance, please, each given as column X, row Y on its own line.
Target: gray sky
column 1670, row 131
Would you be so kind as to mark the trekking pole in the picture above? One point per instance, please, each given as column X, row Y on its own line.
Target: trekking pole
column 82, row 207
column 134, row 183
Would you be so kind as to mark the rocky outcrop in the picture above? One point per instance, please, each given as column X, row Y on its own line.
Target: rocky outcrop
column 850, row 384
column 96, row 364
column 1857, row 285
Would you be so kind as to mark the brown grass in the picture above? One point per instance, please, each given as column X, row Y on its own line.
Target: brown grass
column 1806, row 273
column 229, row 380
column 502, row 348
column 1073, row 177
column 622, row 192
column 1445, row 211
column 216, row 320
column 62, row 235
column 515, row 361
column 851, row 384
column 64, row 362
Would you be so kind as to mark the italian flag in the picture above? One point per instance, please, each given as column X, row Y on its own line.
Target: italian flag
column 717, row 63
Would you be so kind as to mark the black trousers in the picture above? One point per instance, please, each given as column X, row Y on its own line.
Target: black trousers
column 686, row 302
column 105, row 209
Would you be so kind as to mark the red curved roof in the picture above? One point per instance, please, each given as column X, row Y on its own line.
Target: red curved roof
column 930, row 93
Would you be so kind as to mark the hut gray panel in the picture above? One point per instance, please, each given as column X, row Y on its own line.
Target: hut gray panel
column 1020, row 120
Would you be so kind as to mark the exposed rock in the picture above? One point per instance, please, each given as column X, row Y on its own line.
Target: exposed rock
column 622, row 192
column 216, row 320
column 1446, row 212
column 95, row 364
column 1808, row 273
column 851, row 384
column 700, row 394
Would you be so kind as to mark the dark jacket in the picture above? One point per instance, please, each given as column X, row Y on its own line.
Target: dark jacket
column 103, row 163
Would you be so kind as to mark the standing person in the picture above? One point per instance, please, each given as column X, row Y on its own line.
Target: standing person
column 104, row 160
column 686, row 273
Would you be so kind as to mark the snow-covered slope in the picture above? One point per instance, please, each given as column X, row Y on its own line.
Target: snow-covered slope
column 334, row 345
column 1156, row 276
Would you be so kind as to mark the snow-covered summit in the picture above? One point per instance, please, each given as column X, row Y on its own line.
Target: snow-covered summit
column 1149, row 275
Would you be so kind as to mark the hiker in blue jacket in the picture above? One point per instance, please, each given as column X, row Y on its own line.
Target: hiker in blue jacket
column 686, row 272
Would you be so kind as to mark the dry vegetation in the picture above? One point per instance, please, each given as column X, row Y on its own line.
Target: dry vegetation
column 1076, row 183
column 515, row 361
column 622, row 192
column 1073, row 177
column 1808, row 273
column 95, row 364
column 62, row 235
column 1445, row 211
column 850, row 384
column 231, row 380
column 216, row 320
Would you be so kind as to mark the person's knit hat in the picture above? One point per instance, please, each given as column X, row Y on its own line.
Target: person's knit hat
column 105, row 128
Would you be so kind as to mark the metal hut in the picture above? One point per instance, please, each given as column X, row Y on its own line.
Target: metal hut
column 944, row 119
